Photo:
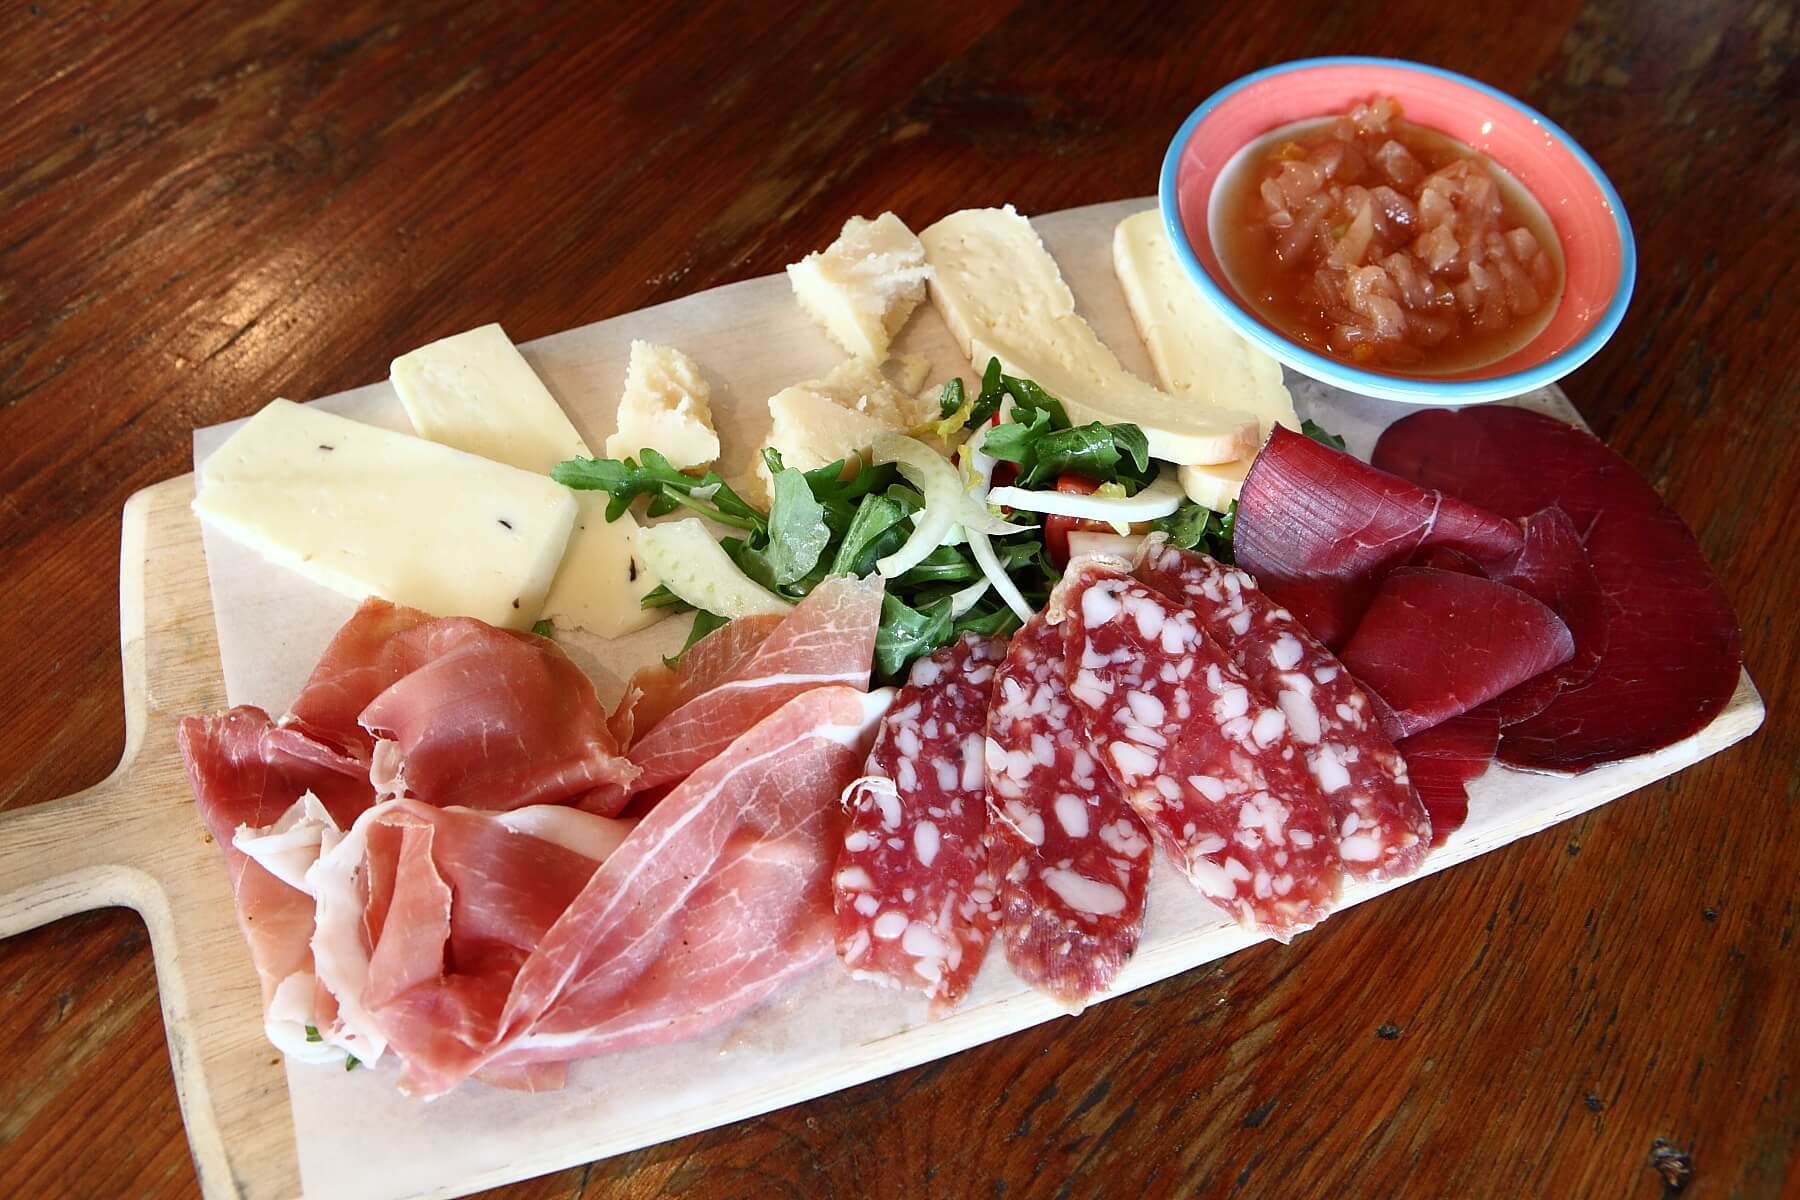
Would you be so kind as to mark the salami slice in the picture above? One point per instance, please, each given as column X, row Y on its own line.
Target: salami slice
column 1383, row 829
column 1206, row 759
column 1071, row 857
column 914, row 898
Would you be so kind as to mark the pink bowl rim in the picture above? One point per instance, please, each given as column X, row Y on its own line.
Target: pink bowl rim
column 1411, row 389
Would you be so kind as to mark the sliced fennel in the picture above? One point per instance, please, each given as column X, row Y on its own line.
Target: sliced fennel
column 690, row 563
column 981, row 466
column 948, row 504
column 961, row 602
column 1159, row 499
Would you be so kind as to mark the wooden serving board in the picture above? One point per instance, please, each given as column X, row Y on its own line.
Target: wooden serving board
column 259, row 1128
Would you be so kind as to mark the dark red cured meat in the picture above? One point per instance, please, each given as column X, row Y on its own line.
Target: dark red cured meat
column 914, row 898
column 1383, row 832
column 1071, row 857
column 1436, row 644
column 1204, row 757
column 1443, row 760
column 1320, row 528
column 1553, row 568
column 1673, row 649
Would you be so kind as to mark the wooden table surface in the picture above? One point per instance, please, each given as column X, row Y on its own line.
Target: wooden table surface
column 203, row 206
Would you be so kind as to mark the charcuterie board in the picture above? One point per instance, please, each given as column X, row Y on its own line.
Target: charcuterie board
column 205, row 623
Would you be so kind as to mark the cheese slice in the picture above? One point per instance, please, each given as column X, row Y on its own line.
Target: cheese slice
column 1003, row 297
column 667, row 407
column 1199, row 359
column 476, row 392
column 864, row 286
column 366, row 511
column 837, row 417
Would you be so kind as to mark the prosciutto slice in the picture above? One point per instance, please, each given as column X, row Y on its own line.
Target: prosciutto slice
column 1436, row 644
column 1672, row 652
column 656, row 691
column 828, row 639
column 243, row 776
column 713, row 901
column 1319, row 529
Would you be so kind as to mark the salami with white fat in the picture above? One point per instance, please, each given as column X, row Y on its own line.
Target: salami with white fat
column 1071, row 857
column 1204, row 757
column 1382, row 826
column 914, row 898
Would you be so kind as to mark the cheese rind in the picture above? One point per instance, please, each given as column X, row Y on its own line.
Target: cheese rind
column 666, row 407
column 475, row 391
column 863, row 287
column 366, row 511
column 1002, row 296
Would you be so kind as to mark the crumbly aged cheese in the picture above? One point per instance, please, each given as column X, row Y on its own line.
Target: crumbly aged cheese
column 1003, row 297
column 816, row 423
column 367, row 511
column 476, row 392
column 863, row 286
column 1199, row 359
column 667, row 407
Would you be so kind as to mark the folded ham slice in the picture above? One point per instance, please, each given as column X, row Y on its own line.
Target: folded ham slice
column 465, row 951
column 657, row 690
column 829, row 638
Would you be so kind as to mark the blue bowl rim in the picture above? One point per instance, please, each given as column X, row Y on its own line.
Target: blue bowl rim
column 1396, row 387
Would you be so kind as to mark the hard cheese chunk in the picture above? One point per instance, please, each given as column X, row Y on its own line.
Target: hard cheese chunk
column 863, row 286
column 1003, row 297
column 667, row 407
column 1199, row 359
column 837, row 417
column 476, row 392
column 367, row 511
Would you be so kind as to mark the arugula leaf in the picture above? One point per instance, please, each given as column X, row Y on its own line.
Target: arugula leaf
column 625, row 479
column 1014, row 440
column 312, row 1034
column 906, row 633
column 1027, row 394
column 993, row 391
column 544, row 629
column 874, row 533
column 1130, row 441
column 351, row 1062
column 998, row 623
column 1193, row 527
column 797, row 532
column 950, row 401
column 1322, row 435
column 704, row 623
column 1043, row 451
column 661, row 597
column 945, row 564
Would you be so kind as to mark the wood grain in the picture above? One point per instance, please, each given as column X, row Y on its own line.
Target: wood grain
column 203, row 207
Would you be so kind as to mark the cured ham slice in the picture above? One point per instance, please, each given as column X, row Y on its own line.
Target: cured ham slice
column 828, row 639
column 1383, row 832
column 245, row 778
column 914, row 897
column 713, row 901
column 1553, row 568
column 365, row 657
column 493, row 719
column 1672, row 651
column 1071, row 857
column 1320, row 529
column 1206, row 759
column 1436, row 644
column 656, row 691
column 1444, row 759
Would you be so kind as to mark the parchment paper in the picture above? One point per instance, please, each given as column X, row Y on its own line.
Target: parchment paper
column 358, row 1137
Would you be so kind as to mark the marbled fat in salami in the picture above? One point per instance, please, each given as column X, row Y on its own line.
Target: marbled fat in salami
column 1206, row 759
column 1071, row 857
column 913, row 894
column 1383, row 828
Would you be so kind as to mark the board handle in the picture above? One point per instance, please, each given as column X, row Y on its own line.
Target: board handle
column 69, row 856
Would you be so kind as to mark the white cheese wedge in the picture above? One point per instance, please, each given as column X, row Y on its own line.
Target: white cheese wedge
column 367, row 511
column 476, row 392
column 667, row 407
column 1002, row 296
column 816, row 423
column 864, row 286
column 1199, row 358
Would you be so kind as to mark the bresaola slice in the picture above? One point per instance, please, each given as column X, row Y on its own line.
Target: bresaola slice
column 1553, row 568
column 1208, row 763
column 1444, row 759
column 1383, row 831
column 1071, row 857
column 1319, row 529
column 1436, row 644
column 1673, row 649
column 914, row 897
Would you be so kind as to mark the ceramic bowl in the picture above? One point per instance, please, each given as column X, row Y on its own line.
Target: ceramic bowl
column 1599, row 254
